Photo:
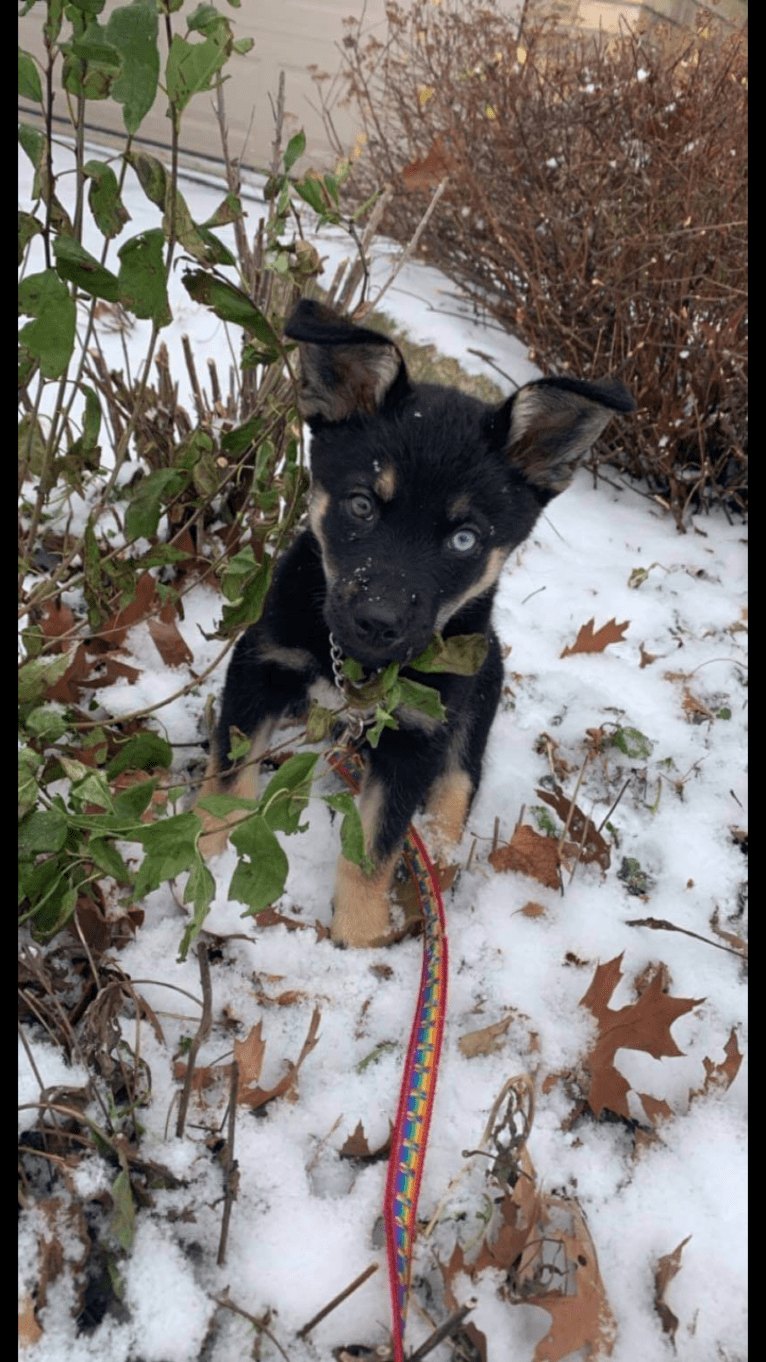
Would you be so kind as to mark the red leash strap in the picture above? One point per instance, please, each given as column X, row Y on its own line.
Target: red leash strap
column 416, row 1096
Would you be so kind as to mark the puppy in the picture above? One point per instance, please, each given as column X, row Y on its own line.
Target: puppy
column 419, row 493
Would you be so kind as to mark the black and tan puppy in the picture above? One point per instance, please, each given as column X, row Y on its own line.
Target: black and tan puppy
column 419, row 494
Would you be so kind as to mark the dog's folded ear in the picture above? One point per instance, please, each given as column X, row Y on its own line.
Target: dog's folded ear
column 547, row 426
column 345, row 369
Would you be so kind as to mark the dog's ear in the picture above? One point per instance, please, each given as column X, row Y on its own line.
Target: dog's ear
column 547, row 426
column 345, row 369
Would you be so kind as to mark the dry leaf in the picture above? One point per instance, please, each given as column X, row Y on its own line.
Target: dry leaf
column 667, row 1268
column 57, row 619
column 113, row 633
column 694, row 708
column 356, row 1146
column 642, row 1025
column 736, row 942
column 288, row 1083
column 429, row 172
column 248, row 1054
column 582, row 1320
column 29, row 1329
column 646, row 658
column 589, row 842
column 487, row 1041
column 531, row 854
column 532, row 910
column 449, row 1271
column 720, row 1076
column 589, row 642
column 170, row 644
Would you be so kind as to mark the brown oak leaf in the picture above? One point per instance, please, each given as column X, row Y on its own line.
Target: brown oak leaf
column 588, row 641
column 487, row 1041
column 532, row 854
column 667, row 1268
column 584, row 1319
column 641, row 1025
column 720, row 1076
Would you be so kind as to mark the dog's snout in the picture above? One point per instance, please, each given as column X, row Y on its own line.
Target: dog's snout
column 378, row 624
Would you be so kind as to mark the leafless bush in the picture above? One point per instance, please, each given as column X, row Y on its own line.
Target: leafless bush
column 595, row 206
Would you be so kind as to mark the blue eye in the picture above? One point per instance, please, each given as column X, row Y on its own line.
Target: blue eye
column 464, row 540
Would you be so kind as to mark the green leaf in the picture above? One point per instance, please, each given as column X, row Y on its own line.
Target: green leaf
column 142, row 288
column 86, row 448
column 142, row 752
column 236, row 441
column 50, row 337
column 424, row 698
column 151, row 175
column 462, row 655
column 198, row 241
column 249, row 607
column 131, row 803
column 632, row 743
column 133, row 32
column 287, row 793
column 229, row 303
column 79, row 267
column 29, row 766
column 295, row 148
column 229, row 210
column 106, row 857
column 382, row 720
column 351, row 830
column 200, row 892
column 43, row 830
column 46, row 723
column 28, row 227
column 310, row 190
column 242, row 45
column 260, row 880
column 320, row 722
column 38, row 674
column 170, row 846
column 108, row 210
column 29, row 78
column 202, row 17
column 148, row 497
column 222, row 805
column 123, row 1222
column 191, row 67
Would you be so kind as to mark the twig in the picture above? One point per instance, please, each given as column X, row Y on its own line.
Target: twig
column 230, row 1166
column 489, row 360
column 445, row 1330
column 661, row 924
column 337, row 1300
column 607, row 816
column 202, row 1031
column 412, row 243
column 258, row 1324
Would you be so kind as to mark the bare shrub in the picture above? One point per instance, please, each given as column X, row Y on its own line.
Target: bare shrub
column 595, row 206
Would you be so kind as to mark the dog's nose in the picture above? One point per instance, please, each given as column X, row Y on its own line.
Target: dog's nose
column 378, row 624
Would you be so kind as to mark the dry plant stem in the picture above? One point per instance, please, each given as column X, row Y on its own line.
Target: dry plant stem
column 337, row 1300
column 445, row 1330
column 661, row 924
column 258, row 1324
column 202, row 1032
column 412, row 243
column 230, row 1165
column 572, row 802
column 607, row 816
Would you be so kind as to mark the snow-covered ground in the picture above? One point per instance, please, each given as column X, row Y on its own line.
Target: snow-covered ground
column 306, row 1221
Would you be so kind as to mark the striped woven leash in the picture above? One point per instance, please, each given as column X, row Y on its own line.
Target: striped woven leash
column 416, row 1096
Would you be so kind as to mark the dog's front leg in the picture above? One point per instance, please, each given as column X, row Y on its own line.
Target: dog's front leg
column 402, row 769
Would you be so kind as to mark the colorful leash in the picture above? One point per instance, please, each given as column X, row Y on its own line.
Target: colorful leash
column 416, row 1096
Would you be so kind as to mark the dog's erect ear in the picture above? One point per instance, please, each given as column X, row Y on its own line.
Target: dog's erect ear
column 547, row 426
column 345, row 369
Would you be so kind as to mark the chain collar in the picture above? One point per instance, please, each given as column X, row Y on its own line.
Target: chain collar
column 356, row 720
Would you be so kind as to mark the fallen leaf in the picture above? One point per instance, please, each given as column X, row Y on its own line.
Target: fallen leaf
column 694, row 708
column 357, row 1147
column 29, row 1329
column 113, row 632
column 57, row 620
column 646, row 658
column 288, row 1083
column 248, row 1054
column 589, row 842
column 532, row 910
column 736, row 942
column 531, row 854
column 720, row 1076
column 642, row 1025
column 486, row 1041
column 667, row 1268
column 584, row 1319
column 169, row 642
column 588, row 641
column 67, row 688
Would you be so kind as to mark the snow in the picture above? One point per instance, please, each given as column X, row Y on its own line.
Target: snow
column 307, row 1222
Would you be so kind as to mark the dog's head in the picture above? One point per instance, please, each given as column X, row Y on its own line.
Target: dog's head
column 419, row 493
